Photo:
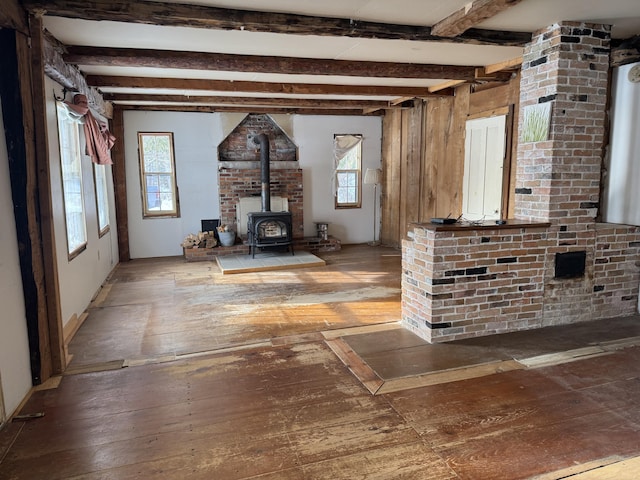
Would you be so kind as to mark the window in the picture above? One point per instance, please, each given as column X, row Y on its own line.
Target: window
column 102, row 201
column 71, row 169
column 158, row 175
column 347, row 150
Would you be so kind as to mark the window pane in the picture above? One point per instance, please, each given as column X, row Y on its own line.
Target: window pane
column 165, row 183
column 166, row 201
column 348, row 171
column 351, row 161
column 157, row 153
column 157, row 170
column 71, row 170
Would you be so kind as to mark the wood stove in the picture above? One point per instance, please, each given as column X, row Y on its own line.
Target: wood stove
column 267, row 228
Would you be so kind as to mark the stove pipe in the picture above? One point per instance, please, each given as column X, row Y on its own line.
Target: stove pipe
column 263, row 141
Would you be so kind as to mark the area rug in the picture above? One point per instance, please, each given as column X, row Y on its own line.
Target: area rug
column 267, row 261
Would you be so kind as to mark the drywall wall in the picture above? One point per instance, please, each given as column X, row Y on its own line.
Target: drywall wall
column 15, row 370
column 314, row 136
column 79, row 278
column 196, row 139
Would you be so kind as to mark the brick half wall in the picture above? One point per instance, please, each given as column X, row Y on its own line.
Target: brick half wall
column 472, row 282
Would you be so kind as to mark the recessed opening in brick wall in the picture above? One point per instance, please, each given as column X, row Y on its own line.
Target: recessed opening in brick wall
column 570, row 264
column 238, row 146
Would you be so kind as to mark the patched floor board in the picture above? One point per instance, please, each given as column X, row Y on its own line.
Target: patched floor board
column 354, row 363
column 622, row 470
column 447, row 376
column 576, row 472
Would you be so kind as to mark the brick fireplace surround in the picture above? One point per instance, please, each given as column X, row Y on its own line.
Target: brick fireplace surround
column 239, row 177
column 461, row 282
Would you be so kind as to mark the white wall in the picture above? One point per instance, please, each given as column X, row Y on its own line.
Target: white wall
column 622, row 195
column 196, row 139
column 314, row 137
column 15, row 370
column 79, row 278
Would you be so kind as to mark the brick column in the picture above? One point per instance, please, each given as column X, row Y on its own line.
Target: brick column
column 558, row 179
column 460, row 282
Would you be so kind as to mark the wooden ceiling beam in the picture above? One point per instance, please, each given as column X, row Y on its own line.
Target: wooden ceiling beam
column 249, row 109
column 496, row 76
column 201, row 16
column 469, row 16
column 253, row 101
column 107, row 81
column 445, row 85
column 511, row 64
column 13, row 16
column 134, row 57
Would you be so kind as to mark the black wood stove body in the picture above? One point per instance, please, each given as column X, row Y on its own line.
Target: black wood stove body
column 269, row 229
column 266, row 228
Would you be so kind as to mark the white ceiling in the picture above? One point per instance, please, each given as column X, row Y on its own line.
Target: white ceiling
column 528, row 15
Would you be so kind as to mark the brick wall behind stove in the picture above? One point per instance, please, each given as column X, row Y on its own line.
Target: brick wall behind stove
column 236, row 183
column 239, row 146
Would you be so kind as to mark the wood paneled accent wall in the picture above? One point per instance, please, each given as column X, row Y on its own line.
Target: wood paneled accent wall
column 423, row 155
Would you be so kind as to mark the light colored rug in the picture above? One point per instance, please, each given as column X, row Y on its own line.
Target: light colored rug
column 267, row 261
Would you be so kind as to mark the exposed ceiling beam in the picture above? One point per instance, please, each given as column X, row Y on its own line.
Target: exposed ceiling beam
column 271, row 110
column 129, row 57
column 106, row 81
column 506, row 65
column 253, row 101
column 482, row 75
column 201, row 16
column 498, row 76
column 13, row 16
column 70, row 77
column 401, row 100
column 469, row 16
column 445, row 85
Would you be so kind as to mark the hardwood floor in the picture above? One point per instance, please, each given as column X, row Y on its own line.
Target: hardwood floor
column 166, row 307
column 230, row 378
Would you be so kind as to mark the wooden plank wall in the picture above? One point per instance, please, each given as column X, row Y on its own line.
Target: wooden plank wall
column 423, row 155
column 410, row 168
column 390, row 186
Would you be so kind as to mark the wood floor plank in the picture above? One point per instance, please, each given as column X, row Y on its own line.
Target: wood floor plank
column 574, row 471
column 182, row 308
column 531, row 451
column 623, row 470
column 406, row 461
column 363, row 372
column 232, row 379
column 447, row 376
